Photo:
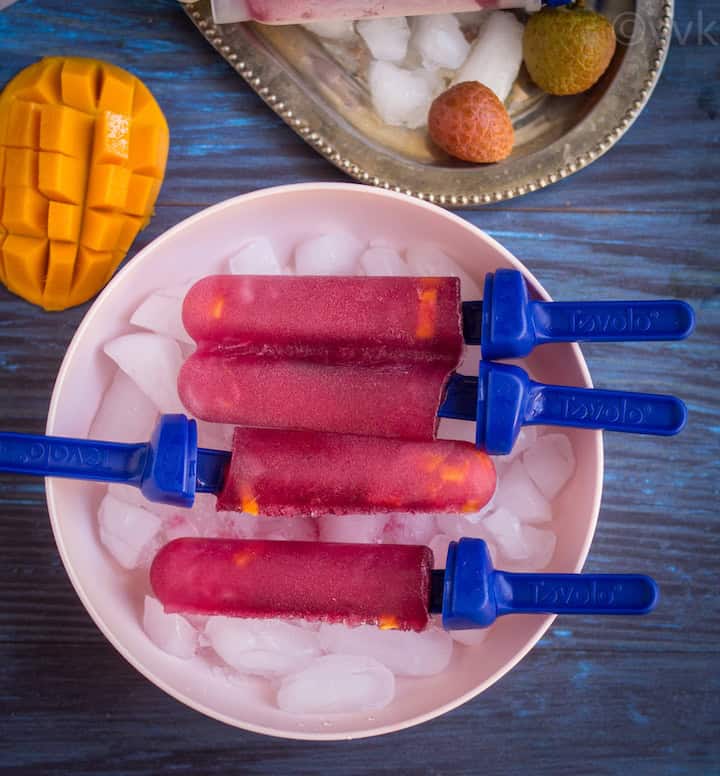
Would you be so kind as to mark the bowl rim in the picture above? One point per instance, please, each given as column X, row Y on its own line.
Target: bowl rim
column 342, row 189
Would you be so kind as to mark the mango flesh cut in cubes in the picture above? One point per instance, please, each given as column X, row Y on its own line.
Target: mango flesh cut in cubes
column 21, row 168
column 83, row 149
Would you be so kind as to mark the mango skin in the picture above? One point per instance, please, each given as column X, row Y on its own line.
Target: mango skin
column 83, row 151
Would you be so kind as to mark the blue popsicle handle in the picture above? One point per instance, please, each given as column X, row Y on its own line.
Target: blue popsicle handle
column 506, row 324
column 471, row 593
column 635, row 413
column 165, row 468
column 504, row 398
column 611, row 321
column 573, row 593
column 74, row 458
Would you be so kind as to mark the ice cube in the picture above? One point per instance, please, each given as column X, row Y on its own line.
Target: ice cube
column 542, row 543
column 507, row 530
column 449, row 428
column 249, row 526
column 439, row 546
column 125, row 413
column 362, row 529
column 162, row 313
column 129, row 494
column 405, row 653
column 312, row 625
column 179, row 526
column 519, row 542
column 525, row 439
column 208, row 521
column 471, row 526
column 470, row 638
column 256, row 257
column 204, row 504
column 299, row 529
column 262, row 647
column 496, row 55
column 214, row 526
column 153, row 362
column 223, row 524
column 427, row 260
column 336, row 253
column 133, row 496
column 387, row 38
column 439, row 41
column 241, row 683
column 517, row 493
column 336, row 29
column 337, row 684
column 467, row 523
column 198, row 621
column 383, row 261
column 502, row 467
column 172, row 633
column 550, row 462
column 471, row 20
column 401, row 97
column 451, row 525
column 294, row 529
column 126, row 530
column 410, row 529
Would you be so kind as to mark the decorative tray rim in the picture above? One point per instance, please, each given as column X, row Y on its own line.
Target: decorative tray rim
column 644, row 60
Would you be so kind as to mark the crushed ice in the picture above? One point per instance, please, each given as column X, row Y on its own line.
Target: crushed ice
column 328, row 668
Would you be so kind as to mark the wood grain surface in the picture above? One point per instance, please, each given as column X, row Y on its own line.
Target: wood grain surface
column 596, row 696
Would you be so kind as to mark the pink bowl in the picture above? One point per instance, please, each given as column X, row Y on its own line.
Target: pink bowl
column 201, row 244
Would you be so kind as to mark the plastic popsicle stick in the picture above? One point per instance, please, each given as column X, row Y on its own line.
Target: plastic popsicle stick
column 506, row 324
column 388, row 585
column 503, row 399
column 212, row 466
column 474, row 594
column 164, row 469
column 669, row 319
column 75, row 458
column 574, row 593
column 634, row 413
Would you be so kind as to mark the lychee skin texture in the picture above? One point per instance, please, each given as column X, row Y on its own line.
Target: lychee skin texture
column 566, row 51
column 469, row 122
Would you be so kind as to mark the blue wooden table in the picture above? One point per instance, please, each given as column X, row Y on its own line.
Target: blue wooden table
column 595, row 696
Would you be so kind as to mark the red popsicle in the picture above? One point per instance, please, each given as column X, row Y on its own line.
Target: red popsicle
column 286, row 473
column 341, row 354
column 385, row 585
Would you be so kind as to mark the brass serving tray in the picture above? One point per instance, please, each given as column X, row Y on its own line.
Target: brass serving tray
column 321, row 94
